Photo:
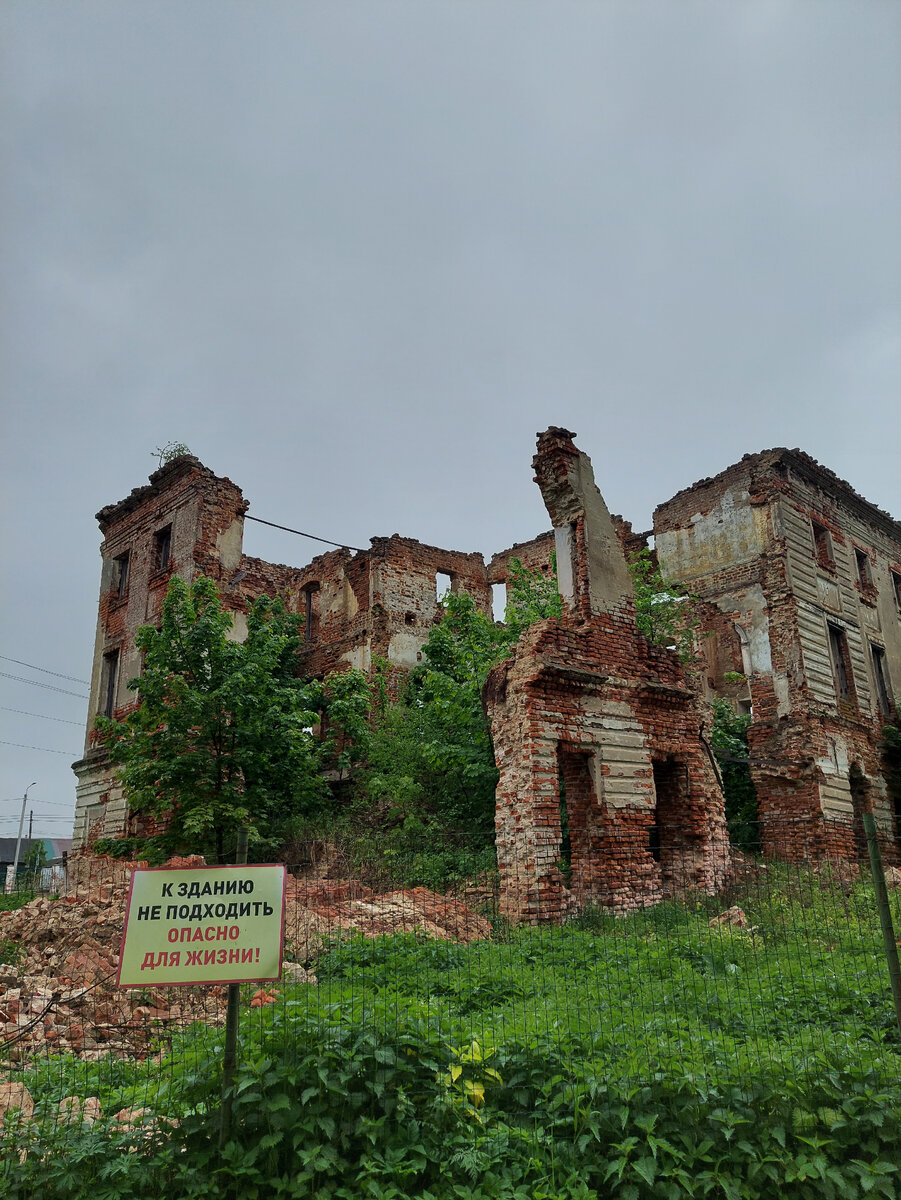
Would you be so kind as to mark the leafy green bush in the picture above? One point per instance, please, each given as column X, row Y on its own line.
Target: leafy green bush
column 371, row 1106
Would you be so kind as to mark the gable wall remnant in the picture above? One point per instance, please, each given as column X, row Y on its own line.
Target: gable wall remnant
column 592, row 724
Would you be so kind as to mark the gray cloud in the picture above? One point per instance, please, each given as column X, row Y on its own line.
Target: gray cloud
column 356, row 255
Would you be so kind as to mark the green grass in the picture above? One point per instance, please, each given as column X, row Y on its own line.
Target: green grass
column 651, row 1056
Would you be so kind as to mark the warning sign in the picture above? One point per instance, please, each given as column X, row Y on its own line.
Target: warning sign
column 203, row 925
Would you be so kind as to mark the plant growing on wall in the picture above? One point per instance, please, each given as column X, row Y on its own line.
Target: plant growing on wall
column 223, row 734
column 729, row 741
column 171, row 450
column 663, row 608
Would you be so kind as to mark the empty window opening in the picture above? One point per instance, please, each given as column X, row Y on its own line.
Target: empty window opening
column 162, row 548
column 864, row 574
column 499, row 601
column 576, row 803
column 671, row 836
column 120, row 575
column 880, row 674
column 565, row 860
column 444, row 583
column 896, row 587
column 109, row 678
column 841, row 663
column 822, row 543
column 311, row 611
column 410, row 618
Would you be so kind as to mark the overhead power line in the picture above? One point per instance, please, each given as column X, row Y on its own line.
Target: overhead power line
column 42, row 716
column 43, row 820
column 45, row 670
column 49, row 686
column 312, row 536
column 43, row 803
column 45, row 749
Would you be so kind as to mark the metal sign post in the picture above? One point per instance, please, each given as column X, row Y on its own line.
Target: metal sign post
column 206, row 925
column 230, row 1057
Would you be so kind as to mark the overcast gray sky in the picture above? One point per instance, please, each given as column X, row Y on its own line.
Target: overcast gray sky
column 356, row 254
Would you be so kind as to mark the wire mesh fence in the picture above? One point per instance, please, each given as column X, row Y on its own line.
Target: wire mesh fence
column 428, row 1007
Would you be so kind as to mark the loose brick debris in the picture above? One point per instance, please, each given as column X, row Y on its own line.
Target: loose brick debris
column 62, row 994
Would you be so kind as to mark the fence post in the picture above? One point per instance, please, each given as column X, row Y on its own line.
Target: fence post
column 230, row 1057
column 885, row 913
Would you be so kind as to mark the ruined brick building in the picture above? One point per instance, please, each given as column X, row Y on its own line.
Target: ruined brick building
column 800, row 580
column 356, row 606
column 803, row 580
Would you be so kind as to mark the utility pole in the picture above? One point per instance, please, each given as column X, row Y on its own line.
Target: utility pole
column 11, row 871
column 30, row 824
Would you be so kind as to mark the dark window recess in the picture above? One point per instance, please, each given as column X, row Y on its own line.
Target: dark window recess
column 880, row 674
column 859, row 787
column 864, row 574
column 841, row 663
column 654, row 838
column 311, row 611
column 162, row 548
column 896, row 585
column 120, row 575
column 409, row 618
column 822, row 544
column 109, row 677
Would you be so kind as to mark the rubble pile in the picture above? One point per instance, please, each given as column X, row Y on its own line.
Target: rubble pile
column 324, row 909
column 61, row 996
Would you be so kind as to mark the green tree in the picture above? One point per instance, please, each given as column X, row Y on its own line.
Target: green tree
column 223, row 733
column 430, row 773
column 531, row 596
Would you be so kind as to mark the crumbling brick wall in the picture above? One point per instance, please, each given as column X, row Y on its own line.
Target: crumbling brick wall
column 587, row 701
column 779, row 549
column 186, row 520
column 354, row 607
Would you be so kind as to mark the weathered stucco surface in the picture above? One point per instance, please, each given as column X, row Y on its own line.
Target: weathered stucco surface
column 802, row 568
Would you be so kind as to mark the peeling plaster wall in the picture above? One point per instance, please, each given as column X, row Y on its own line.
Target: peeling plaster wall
column 773, row 543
